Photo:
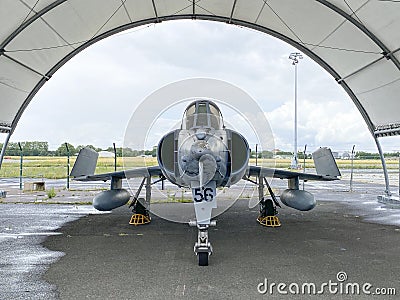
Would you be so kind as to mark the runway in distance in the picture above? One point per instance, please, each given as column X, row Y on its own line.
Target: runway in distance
column 203, row 155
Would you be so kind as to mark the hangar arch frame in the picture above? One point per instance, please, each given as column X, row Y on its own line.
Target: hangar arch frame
column 190, row 11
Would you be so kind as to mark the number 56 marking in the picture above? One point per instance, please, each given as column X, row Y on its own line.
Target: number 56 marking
column 207, row 194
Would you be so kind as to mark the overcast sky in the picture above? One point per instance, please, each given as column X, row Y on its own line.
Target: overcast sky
column 92, row 97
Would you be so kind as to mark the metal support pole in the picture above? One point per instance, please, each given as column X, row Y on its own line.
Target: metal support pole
column 115, row 158
column 385, row 172
column 148, row 192
column 66, row 146
column 20, row 165
column 352, row 167
column 116, row 183
column 3, row 149
column 304, row 162
column 256, row 154
column 260, row 188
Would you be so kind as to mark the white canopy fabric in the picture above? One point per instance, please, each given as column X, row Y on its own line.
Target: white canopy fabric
column 356, row 41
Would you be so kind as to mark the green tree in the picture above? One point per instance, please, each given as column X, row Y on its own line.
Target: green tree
column 62, row 150
column 128, row 152
column 267, row 154
column 284, row 153
column 28, row 148
column 12, row 149
column 366, row 155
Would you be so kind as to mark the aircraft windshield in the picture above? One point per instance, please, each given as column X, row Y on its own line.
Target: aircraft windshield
column 202, row 114
column 215, row 117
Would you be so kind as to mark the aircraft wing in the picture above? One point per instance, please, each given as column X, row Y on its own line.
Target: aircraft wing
column 284, row 174
column 86, row 162
column 137, row 172
column 324, row 162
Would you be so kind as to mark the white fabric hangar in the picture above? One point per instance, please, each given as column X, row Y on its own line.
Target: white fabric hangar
column 356, row 41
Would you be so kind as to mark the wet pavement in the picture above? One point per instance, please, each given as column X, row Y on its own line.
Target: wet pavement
column 66, row 251
column 23, row 259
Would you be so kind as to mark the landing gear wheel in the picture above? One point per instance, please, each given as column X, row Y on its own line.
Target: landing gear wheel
column 269, row 207
column 138, row 208
column 203, row 258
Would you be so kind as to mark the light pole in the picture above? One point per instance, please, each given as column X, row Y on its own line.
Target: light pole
column 295, row 56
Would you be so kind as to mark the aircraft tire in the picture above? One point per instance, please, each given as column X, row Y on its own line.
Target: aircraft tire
column 203, row 258
column 269, row 207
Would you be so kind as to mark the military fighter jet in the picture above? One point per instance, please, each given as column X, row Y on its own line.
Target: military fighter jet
column 203, row 155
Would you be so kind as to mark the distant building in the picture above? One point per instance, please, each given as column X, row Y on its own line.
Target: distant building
column 106, row 154
column 346, row 155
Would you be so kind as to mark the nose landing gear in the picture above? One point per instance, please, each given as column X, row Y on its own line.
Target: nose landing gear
column 202, row 248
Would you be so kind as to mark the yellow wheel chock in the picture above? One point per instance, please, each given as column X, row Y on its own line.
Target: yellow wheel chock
column 269, row 221
column 139, row 219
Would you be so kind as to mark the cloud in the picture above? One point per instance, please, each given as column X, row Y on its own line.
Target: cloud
column 336, row 124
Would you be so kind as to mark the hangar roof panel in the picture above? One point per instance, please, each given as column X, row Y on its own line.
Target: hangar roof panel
column 356, row 41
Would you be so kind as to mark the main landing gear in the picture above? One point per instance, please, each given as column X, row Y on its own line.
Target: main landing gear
column 140, row 215
column 268, row 212
column 140, row 206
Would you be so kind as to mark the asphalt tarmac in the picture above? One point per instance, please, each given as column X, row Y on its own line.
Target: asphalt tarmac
column 68, row 251
column 330, row 246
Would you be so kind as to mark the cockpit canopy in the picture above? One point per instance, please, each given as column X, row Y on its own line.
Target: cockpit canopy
column 202, row 113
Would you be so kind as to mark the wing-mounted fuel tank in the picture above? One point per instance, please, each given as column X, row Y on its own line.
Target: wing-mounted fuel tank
column 203, row 149
column 113, row 198
column 297, row 199
column 108, row 200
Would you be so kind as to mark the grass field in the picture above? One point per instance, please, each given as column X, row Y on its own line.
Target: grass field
column 56, row 167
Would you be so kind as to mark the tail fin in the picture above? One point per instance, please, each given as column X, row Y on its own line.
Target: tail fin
column 325, row 163
column 85, row 163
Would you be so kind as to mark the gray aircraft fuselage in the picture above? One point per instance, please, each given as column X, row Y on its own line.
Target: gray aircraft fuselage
column 203, row 150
